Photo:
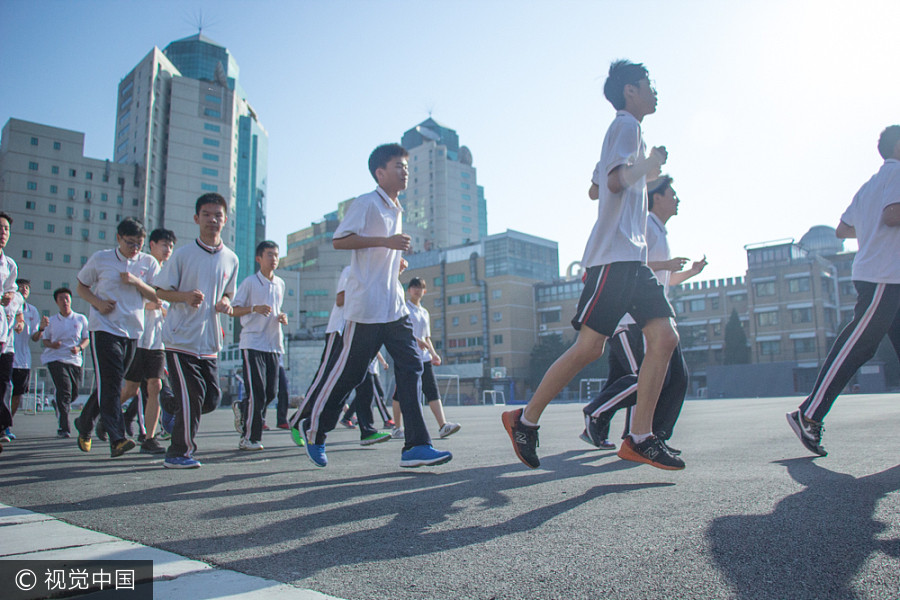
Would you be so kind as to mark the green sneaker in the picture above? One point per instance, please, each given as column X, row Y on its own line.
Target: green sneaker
column 375, row 438
column 297, row 436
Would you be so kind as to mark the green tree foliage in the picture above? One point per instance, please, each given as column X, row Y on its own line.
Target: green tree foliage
column 737, row 352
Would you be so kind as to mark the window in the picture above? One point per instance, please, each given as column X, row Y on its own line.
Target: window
column 26, row 253
column 467, row 230
column 68, row 230
column 120, row 200
column 799, row 284
column 83, row 260
column 498, row 316
column 29, row 225
column 88, row 175
column 497, row 294
column 30, row 204
column 210, row 172
column 32, row 166
column 767, row 319
column 102, row 215
column 34, row 141
column 765, row 289
column 53, row 189
column 437, row 282
column 801, row 315
column 456, row 278
column 48, row 256
column 698, row 305
column 714, row 303
column 211, row 142
column 805, row 345
column 47, row 285
column 87, row 194
column 208, row 187
column 738, row 298
column 70, row 192
column 498, row 339
column 212, row 113
column 455, row 321
column 87, row 214
column 57, row 145
column 72, row 173
column 212, row 127
column 67, row 258
column 211, row 98
column 473, row 319
column 134, row 201
column 770, row 348
column 54, row 170
column 51, row 228
column 212, row 157
column 32, row 185
column 466, row 219
column 101, row 235
column 51, row 208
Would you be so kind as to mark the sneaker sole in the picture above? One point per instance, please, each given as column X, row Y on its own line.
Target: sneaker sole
column 306, row 442
column 626, row 453
column 412, row 464
column 129, row 445
column 795, row 426
column 509, row 423
column 372, row 442
column 587, row 439
column 451, row 432
column 174, row 466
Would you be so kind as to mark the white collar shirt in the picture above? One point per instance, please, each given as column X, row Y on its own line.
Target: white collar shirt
column 258, row 332
column 876, row 261
column 32, row 319
column 336, row 319
column 70, row 331
column 421, row 324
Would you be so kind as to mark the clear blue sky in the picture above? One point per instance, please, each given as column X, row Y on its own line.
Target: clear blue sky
column 770, row 110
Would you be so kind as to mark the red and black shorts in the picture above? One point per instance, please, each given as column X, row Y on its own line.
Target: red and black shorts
column 612, row 290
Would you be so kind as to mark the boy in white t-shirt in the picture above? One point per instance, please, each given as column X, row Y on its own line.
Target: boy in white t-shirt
column 65, row 339
column 617, row 278
column 116, row 283
column 198, row 282
column 258, row 305
column 8, row 274
column 375, row 315
column 873, row 218
column 33, row 326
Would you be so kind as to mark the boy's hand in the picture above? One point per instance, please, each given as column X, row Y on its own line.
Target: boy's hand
column 128, row 278
column 195, row 298
column 262, row 309
column 45, row 322
column 699, row 265
column 282, row 318
column 104, row 307
column 76, row 349
column 403, row 264
column 659, row 154
column 676, row 264
column 435, row 360
column 224, row 306
column 400, row 241
column 8, row 296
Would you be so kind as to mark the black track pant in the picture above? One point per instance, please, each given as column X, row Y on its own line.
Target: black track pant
column 112, row 357
column 877, row 313
column 6, row 369
column 261, row 382
column 195, row 384
column 66, row 379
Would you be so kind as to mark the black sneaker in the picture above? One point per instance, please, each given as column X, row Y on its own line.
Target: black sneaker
column 62, row 435
column 151, row 446
column 101, row 431
column 524, row 439
column 672, row 451
column 652, row 452
column 142, row 437
column 809, row 432
column 121, row 447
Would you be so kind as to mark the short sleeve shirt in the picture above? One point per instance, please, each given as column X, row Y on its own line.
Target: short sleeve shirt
column 32, row 318
column 421, row 324
column 374, row 293
column 151, row 338
column 618, row 234
column 71, row 331
column 258, row 332
column 8, row 274
column 879, row 245
column 10, row 311
column 336, row 319
column 103, row 274
column 213, row 271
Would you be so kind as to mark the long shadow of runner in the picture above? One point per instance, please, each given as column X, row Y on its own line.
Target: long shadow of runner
column 813, row 543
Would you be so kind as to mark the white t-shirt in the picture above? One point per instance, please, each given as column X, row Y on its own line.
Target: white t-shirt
column 258, row 332
column 8, row 274
column 336, row 320
column 618, row 234
column 151, row 338
column 213, row 271
column 421, row 324
column 373, row 293
column 32, row 318
column 879, row 245
column 102, row 273
column 71, row 331
column 8, row 334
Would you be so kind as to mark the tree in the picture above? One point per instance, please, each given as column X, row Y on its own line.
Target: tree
column 544, row 354
column 737, row 352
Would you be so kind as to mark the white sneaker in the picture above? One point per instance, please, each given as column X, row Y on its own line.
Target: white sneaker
column 248, row 445
column 238, row 421
column 397, row 433
column 448, row 429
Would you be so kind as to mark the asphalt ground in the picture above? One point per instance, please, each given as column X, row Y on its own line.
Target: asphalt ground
column 753, row 516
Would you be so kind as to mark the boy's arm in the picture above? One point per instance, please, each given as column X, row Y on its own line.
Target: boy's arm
column 193, row 298
column 624, row 176
column 435, row 357
column 146, row 291
column 682, row 276
column 104, row 307
column 845, row 231
column 45, row 321
column 890, row 216
column 399, row 241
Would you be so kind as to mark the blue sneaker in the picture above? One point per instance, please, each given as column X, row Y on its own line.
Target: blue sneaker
column 181, row 462
column 315, row 452
column 9, row 434
column 168, row 422
column 424, row 456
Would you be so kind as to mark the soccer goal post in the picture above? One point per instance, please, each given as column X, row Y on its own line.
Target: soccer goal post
column 493, row 397
column 448, row 386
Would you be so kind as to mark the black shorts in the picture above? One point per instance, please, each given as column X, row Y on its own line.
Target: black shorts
column 612, row 290
column 147, row 364
column 21, row 380
column 429, row 383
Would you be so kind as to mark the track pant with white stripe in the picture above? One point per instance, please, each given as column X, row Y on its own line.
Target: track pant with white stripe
column 361, row 342
column 369, row 393
column 66, row 379
column 112, row 356
column 620, row 391
column 330, row 353
column 261, row 380
column 6, row 369
column 877, row 313
column 195, row 384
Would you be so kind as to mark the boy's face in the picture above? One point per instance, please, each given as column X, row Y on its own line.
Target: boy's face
column 211, row 219
column 4, row 232
column 25, row 290
column 416, row 293
column 130, row 245
column 667, row 203
column 393, row 176
column 640, row 98
column 161, row 250
column 64, row 303
column 268, row 260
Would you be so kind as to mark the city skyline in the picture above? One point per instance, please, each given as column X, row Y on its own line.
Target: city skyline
column 762, row 106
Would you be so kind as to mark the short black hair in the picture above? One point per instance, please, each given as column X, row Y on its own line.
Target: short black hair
column 59, row 291
column 887, row 141
column 657, row 186
column 416, row 282
column 131, row 226
column 383, row 154
column 22, row 281
column 265, row 245
column 211, row 198
column 8, row 218
column 622, row 73
column 163, row 235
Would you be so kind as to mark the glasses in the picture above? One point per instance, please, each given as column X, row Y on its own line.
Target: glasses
column 133, row 245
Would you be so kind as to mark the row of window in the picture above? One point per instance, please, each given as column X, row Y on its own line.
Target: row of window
column 54, row 170
column 801, row 346
column 68, row 230
column 36, row 142
column 88, row 194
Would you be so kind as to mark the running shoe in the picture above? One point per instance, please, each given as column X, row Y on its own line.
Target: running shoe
column 4, row 439
column 315, row 452
column 121, row 447
column 524, row 439
column 283, row 426
column 650, row 452
column 297, row 436
column 84, row 443
column 375, row 438
column 238, row 419
column 63, row 435
column 448, row 429
column 348, row 424
column 181, row 462
column 809, row 432
column 248, row 445
column 397, row 433
column 672, row 451
column 151, row 446
column 9, row 434
column 424, row 456
column 389, row 424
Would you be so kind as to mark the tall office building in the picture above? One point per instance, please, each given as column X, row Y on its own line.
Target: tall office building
column 443, row 204
column 185, row 122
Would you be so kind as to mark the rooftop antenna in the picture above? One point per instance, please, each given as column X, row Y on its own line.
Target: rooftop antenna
column 197, row 21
